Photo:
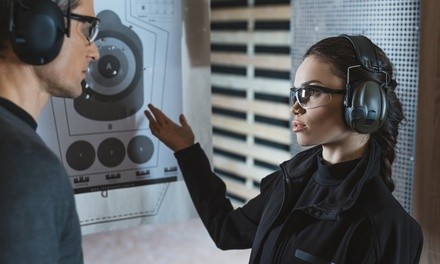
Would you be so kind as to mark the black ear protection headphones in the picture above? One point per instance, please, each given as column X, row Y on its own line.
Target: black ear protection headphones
column 36, row 30
column 365, row 102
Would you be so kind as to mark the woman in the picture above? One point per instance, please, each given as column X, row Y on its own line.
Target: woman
column 331, row 203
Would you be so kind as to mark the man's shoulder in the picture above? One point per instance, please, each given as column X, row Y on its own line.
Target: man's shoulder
column 25, row 158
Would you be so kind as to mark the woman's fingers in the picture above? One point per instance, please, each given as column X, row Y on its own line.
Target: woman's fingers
column 175, row 136
column 160, row 117
column 183, row 120
column 157, row 114
column 159, row 122
column 151, row 120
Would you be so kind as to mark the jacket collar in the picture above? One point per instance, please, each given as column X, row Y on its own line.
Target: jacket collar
column 302, row 166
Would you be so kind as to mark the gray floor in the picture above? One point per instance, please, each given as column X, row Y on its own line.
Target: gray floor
column 183, row 243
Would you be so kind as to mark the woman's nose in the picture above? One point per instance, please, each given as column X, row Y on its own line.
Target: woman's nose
column 296, row 109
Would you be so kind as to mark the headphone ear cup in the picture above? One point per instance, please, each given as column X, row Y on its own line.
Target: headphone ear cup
column 366, row 107
column 37, row 30
column 383, row 114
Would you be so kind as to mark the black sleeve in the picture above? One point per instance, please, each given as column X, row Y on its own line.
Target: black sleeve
column 397, row 236
column 404, row 245
column 229, row 228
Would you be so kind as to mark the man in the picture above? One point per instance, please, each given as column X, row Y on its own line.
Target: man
column 45, row 49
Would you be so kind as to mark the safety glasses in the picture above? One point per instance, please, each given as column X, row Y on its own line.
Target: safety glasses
column 91, row 25
column 312, row 96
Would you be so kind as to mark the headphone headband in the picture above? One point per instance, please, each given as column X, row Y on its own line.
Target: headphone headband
column 365, row 52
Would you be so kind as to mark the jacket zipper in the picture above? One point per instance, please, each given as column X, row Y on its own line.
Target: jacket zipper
column 281, row 242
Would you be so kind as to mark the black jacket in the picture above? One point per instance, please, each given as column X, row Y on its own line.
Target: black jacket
column 361, row 222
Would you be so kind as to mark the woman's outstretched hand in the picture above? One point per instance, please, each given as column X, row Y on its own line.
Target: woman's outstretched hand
column 171, row 134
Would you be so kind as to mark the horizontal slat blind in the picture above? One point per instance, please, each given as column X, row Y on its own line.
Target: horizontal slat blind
column 257, row 38
column 249, row 13
column 277, row 134
column 269, row 109
column 274, row 62
column 250, row 58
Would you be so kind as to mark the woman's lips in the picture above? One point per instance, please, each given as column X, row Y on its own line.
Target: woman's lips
column 298, row 126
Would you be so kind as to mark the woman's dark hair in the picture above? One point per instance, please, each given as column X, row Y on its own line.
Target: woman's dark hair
column 4, row 16
column 340, row 54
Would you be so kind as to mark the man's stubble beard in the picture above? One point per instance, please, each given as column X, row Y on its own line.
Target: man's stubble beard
column 57, row 86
